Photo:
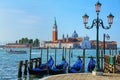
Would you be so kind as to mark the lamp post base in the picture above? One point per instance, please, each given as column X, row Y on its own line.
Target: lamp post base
column 97, row 73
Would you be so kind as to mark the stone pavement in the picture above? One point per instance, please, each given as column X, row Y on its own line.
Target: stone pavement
column 83, row 76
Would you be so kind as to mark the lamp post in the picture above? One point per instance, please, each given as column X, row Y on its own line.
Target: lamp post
column 98, row 22
column 107, row 37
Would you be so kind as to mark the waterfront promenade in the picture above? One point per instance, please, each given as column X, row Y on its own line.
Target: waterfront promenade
column 83, row 76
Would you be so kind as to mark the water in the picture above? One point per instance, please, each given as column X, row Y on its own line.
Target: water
column 9, row 62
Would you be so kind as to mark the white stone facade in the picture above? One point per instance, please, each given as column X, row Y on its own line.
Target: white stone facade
column 59, row 45
column 86, row 43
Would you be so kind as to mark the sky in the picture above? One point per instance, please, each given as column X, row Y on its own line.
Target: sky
column 35, row 19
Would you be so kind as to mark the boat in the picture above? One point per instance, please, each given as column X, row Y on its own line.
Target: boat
column 91, row 65
column 38, row 71
column 56, row 71
column 59, row 69
column 77, row 66
column 17, row 52
column 42, row 69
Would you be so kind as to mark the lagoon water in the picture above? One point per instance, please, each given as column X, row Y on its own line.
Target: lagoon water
column 9, row 62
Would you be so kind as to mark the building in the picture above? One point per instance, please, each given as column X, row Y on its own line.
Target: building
column 108, row 44
column 74, row 41
column 15, row 45
column 86, row 44
column 66, row 42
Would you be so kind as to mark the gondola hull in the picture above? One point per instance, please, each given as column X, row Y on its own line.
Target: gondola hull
column 91, row 65
column 55, row 72
column 38, row 72
column 73, row 71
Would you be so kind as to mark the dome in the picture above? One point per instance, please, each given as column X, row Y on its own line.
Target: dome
column 74, row 35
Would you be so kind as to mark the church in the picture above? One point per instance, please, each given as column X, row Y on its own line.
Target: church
column 73, row 41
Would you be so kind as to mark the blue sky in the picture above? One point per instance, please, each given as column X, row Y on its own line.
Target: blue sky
column 35, row 18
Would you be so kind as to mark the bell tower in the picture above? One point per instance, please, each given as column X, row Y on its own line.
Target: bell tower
column 54, row 32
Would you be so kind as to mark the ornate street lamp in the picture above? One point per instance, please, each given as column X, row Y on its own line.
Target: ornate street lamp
column 98, row 6
column 98, row 22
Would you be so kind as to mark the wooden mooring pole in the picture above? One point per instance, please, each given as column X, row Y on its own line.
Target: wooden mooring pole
column 41, row 54
column 25, row 67
column 31, row 64
column 39, row 60
column 110, row 51
column 83, row 60
column 30, row 51
column 69, row 56
column 102, row 55
column 47, row 53
column 114, row 62
column 20, row 69
column 36, row 62
column 63, row 53
column 55, row 56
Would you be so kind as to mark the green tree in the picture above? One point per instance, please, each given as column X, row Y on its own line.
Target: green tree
column 26, row 40
column 30, row 41
column 36, row 43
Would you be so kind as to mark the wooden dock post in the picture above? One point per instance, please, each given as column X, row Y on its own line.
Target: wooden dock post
column 110, row 51
column 31, row 64
column 102, row 55
column 114, row 64
column 116, row 51
column 39, row 60
column 30, row 51
column 41, row 54
column 47, row 53
column 55, row 56
column 69, row 57
column 63, row 53
column 25, row 67
column 36, row 62
column 20, row 69
column 83, row 60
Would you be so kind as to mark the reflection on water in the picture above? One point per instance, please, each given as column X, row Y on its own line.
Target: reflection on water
column 9, row 62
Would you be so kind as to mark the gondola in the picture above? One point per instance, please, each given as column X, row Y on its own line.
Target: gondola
column 55, row 71
column 91, row 65
column 59, row 69
column 38, row 71
column 77, row 67
column 42, row 69
column 16, row 51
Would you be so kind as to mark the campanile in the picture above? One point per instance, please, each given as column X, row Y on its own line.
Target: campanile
column 54, row 32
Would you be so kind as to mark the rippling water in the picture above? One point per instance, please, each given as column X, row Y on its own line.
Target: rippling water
column 9, row 62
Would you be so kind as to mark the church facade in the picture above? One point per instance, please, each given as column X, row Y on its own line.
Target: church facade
column 86, row 43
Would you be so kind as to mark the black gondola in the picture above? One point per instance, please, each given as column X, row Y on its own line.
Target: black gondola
column 91, row 64
column 77, row 67
column 59, row 69
column 38, row 71
column 43, row 69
